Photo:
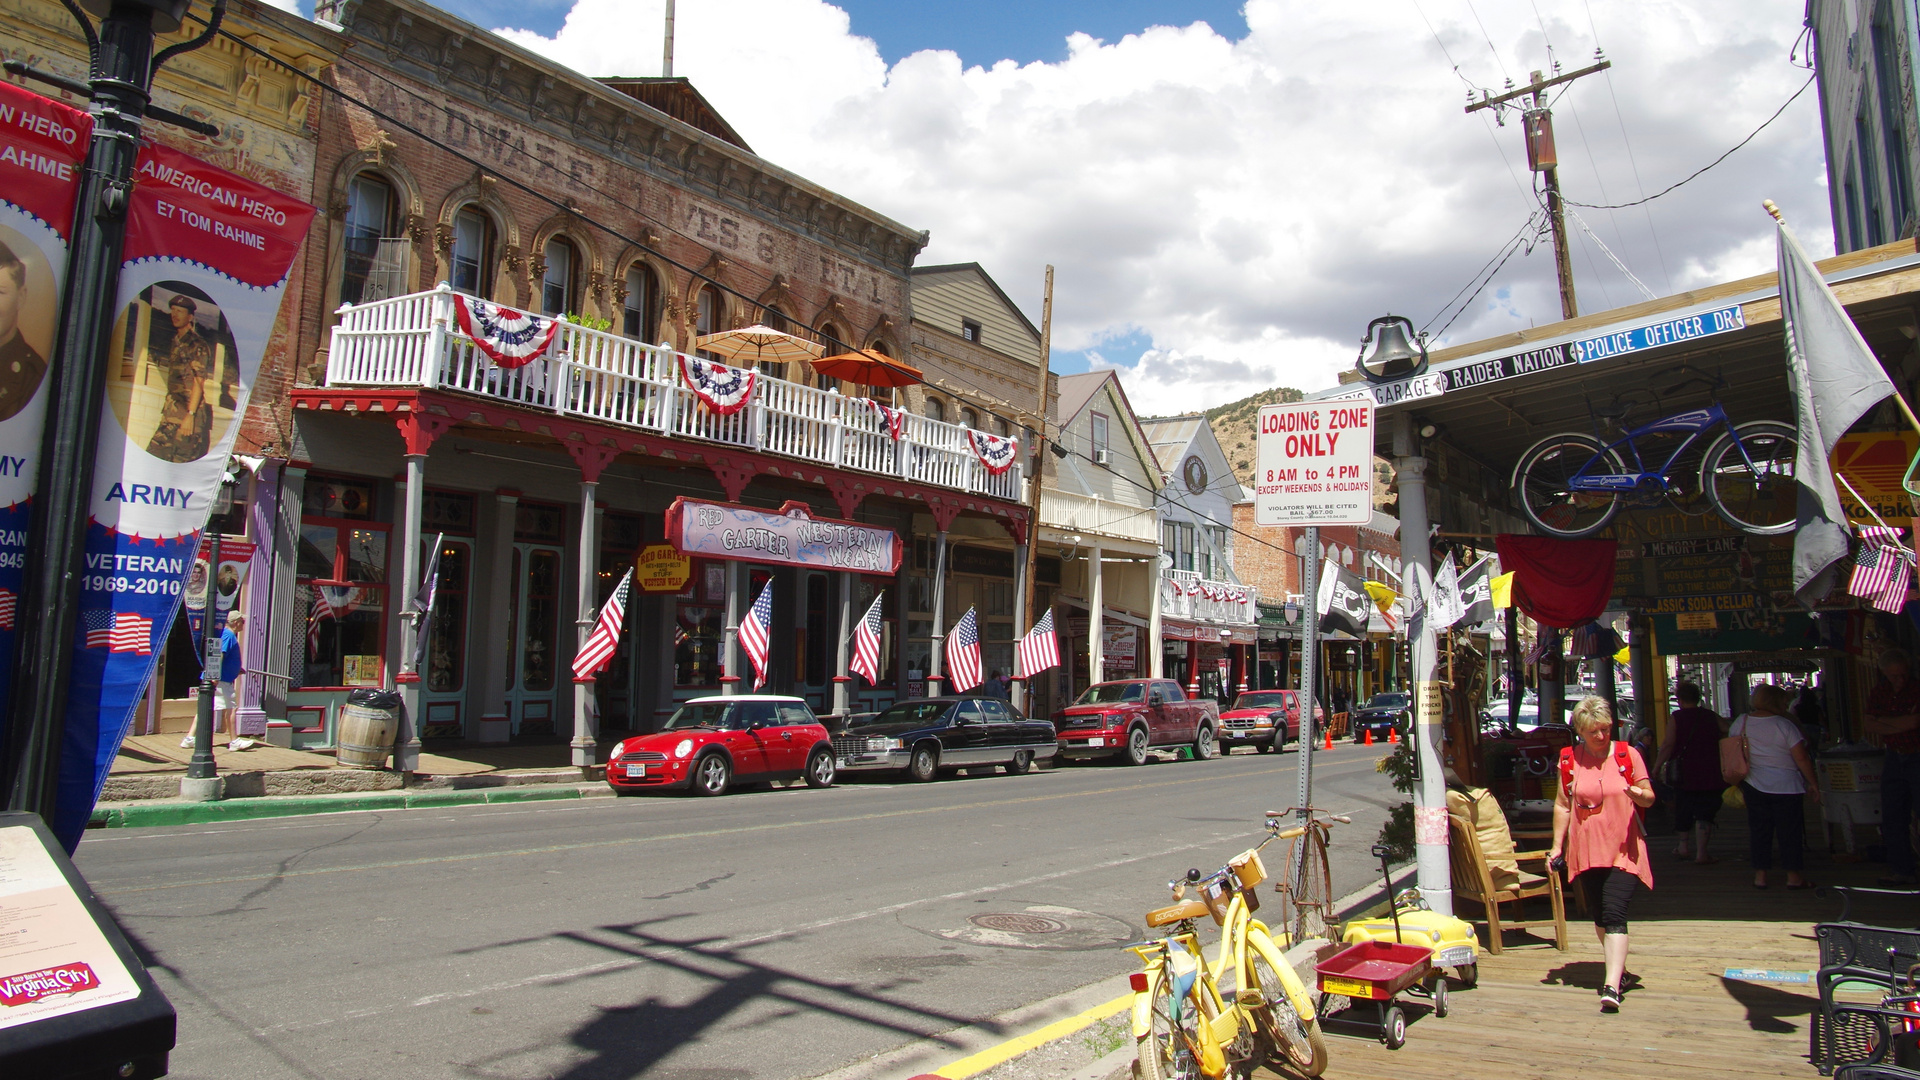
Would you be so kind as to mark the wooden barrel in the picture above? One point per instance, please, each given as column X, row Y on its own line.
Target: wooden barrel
column 365, row 736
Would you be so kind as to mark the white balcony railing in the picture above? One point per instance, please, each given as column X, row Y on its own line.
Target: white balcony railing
column 1103, row 517
column 413, row 341
column 1184, row 595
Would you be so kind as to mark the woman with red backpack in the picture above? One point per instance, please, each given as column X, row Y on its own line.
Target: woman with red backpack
column 1597, row 836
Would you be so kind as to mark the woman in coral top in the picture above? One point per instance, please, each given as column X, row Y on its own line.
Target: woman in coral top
column 1596, row 826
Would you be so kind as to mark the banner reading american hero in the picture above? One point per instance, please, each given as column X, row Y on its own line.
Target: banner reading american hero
column 206, row 261
column 42, row 146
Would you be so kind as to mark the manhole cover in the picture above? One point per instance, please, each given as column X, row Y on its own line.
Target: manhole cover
column 1018, row 924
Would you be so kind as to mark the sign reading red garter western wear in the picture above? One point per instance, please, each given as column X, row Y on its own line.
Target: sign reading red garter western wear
column 207, row 254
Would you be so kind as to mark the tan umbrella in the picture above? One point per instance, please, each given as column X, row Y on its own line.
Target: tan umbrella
column 758, row 344
column 869, row 367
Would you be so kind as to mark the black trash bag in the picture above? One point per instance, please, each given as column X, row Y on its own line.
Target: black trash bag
column 373, row 697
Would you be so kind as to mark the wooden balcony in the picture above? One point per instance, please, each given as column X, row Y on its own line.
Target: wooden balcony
column 1180, row 600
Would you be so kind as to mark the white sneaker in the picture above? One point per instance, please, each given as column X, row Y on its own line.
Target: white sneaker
column 186, row 743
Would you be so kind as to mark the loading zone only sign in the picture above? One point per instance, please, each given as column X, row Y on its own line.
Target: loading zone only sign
column 1315, row 463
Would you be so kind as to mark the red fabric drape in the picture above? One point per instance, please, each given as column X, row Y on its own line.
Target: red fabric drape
column 1559, row 583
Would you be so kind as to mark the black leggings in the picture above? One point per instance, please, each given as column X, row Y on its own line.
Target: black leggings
column 1608, row 888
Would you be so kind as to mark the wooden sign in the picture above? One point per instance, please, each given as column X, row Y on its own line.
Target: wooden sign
column 661, row 569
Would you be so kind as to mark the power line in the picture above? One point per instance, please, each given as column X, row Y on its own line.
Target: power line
column 1524, row 226
column 1633, row 162
column 1513, row 246
column 1488, row 38
column 1696, row 174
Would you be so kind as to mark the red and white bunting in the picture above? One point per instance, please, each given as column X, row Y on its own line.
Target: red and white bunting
column 511, row 338
column 726, row 390
column 996, row 452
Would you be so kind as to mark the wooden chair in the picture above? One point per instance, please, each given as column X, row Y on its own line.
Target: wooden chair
column 1473, row 880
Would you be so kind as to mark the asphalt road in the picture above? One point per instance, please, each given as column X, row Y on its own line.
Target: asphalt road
column 769, row 934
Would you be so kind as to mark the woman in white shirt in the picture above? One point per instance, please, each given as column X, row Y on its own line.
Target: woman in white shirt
column 1779, row 781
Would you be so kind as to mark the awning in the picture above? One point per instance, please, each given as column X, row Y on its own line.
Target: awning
column 1182, row 630
column 1079, row 622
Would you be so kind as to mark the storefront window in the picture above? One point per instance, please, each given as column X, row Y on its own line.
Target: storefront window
column 696, row 645
column 447, row 648
column 542, row 618
column 819, row 645
column 341, row 600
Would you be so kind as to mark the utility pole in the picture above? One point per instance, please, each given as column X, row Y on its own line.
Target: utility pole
column 1537, row 122
column 1024, row 685
column 120, row 75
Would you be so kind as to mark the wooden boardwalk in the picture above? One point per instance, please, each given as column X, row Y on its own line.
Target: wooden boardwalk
column 1536, row 1013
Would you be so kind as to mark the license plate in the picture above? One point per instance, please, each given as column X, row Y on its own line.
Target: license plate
column 1096, row 742
column 1345, row 987
column 636, row 772
column 1454, row 956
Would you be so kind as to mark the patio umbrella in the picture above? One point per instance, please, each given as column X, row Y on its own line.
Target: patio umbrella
column 758, row 344
column 869, row 368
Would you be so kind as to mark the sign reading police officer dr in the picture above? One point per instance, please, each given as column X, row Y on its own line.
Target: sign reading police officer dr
column 1315, row 463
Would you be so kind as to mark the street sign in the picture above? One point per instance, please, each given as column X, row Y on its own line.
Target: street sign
column 1315, row 463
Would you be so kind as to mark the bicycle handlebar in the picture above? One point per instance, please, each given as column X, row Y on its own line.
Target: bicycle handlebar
column 1343, row 819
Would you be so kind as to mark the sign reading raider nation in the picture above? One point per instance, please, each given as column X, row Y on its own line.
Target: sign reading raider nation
column 1315, row 463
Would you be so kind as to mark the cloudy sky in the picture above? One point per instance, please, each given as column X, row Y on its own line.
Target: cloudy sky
column 1230, row 192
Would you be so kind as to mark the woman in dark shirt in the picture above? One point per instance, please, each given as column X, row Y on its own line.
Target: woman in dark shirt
column 1693, row 745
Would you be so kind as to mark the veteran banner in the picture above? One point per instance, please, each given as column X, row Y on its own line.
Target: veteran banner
column 207, row 256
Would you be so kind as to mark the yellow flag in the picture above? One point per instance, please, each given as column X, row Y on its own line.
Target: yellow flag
column 1624, row 656
column 1382, row 596
column 1503, row 591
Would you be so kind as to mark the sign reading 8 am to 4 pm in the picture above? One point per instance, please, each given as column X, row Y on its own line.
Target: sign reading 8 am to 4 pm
column 1315, row 463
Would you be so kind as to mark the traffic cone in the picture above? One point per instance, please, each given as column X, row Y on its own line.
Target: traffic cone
column 1369, row 736
column 1329, row 745
column 1393, row 735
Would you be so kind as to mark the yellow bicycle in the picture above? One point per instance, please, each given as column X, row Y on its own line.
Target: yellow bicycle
column 1197, row 1021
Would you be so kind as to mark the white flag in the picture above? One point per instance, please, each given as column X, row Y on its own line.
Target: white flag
column 1447, row 608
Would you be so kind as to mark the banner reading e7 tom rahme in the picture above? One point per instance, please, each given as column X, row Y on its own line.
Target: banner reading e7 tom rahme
column 206, row 261
column 42, row 146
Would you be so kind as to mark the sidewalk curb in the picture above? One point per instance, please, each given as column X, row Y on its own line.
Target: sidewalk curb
column 157, row 814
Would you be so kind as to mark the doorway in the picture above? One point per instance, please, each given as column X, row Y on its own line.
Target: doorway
column 533, row 638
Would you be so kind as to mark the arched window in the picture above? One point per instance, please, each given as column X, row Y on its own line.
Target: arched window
column 710, row 312
column 835, row 343
column 372, row 232
column 935, row 410
column 969, row 418
column 556, row 285
column 775, row 320
column 642, row 304
column 1000, row 427
column 472, row 258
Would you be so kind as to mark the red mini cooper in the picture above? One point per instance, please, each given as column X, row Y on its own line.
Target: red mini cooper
column 713, row 743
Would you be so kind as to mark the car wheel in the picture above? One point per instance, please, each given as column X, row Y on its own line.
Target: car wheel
column 1022, row 761
column 925, row 764
column 1203, row 745
column 1136, row 752
column 1270, row 745
column 712, row 775
column 820, row 769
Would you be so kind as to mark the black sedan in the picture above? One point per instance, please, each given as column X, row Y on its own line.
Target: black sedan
column 924, row 736
column 1386, row 712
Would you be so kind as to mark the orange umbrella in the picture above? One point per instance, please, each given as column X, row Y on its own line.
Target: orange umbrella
column 870, row 368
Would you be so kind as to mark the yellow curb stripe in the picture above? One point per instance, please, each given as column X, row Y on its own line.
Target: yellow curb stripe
column 1012, row 1048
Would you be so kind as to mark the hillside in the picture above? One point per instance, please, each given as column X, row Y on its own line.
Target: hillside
column 1233, row 425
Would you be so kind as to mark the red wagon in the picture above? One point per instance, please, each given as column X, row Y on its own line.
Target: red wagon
column 1378, row 972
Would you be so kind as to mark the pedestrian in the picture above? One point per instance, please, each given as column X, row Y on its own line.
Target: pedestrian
column 1597, row 836
column 1693, row 746
column 1000, row 686
column 226, row 703
column 1779, row 781
column 1893, row 713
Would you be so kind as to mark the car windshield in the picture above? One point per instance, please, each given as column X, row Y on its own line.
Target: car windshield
column 1388, row 701
column 1271, row 700
column 704, row 714
column 1109, row 693
column 917, row 713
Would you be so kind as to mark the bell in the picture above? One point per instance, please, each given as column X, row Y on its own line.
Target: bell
column 1395, row 355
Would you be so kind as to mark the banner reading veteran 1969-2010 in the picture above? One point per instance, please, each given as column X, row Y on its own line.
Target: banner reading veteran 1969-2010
column 42, row 146
column 207, row 256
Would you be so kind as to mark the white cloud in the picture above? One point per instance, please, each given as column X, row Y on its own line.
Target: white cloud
column 1249, row 205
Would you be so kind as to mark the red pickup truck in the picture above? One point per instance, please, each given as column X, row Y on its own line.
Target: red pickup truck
column 1134, row 716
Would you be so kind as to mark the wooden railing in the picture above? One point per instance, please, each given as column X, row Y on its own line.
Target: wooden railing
column 1178, row 600
column 414, row 341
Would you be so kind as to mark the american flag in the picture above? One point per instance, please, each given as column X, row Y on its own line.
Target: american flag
column 423, row 603
column 866, row 645
column 963, row 654
column 1039, row 650
column 605, row 639
column 118, row 631
column 1880, row 568
column 1540, row 646
column 7, row 601
column 756, row 633
column 322, row 609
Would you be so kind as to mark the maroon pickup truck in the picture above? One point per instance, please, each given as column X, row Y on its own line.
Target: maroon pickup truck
column 1132, row 717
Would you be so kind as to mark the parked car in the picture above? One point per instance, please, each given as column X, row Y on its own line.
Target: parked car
column 926, row 735
column 1386, row 712
column 1255, row 720
column 712, row 743
column 1132, row 716
column 1494, row 716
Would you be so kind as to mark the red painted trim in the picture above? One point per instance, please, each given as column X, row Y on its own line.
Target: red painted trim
column 407, row 677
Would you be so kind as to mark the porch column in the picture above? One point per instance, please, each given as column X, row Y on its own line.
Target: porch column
column 936, row 664
column 730, row 644
column 262, row 513
column 1157, row 666
column 1018, row 689
column 497, row 666
column 1096, row 622
column 1244, row 651
column 842, row 679
column 406, row 754
column 1429, row 725
column 284, row 633
column 584, row 714
column 1193, row 668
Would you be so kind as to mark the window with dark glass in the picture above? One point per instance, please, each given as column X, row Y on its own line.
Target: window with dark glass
column 819, row 643
column 373, row 215
column 326, row 496
column 970, row 330
column 1099, row 427
column 1893, row 128
column 710, row 311
column 642, row 304
column 340, row 603
column 936, row 410
column 1869, row 181
column 556, row 284
column 472, row 256
column 969, row 419
column 446, row 667
column 541, row 625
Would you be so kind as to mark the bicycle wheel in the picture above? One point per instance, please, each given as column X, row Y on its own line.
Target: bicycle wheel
column 1754, row 491
column 1302, row 1048
column 1170, row 1050
column 1312, row 891
column 1543, row 485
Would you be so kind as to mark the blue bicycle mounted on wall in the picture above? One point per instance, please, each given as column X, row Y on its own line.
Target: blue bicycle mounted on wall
column 1571, row 485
